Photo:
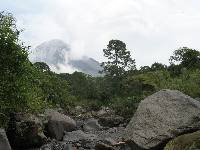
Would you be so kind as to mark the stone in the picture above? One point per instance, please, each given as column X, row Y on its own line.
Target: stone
column 77, row 136
column 111, row 121
column 103, row 146
column 189, row 141
column 105, row 111
column 25, row 131
column 110, row 141
column 115, row 134
column 91, row 125
column 4, row 143
column 81, row 139
column 79, row 124
column 59, row 123
column 54, row 145
column 163, row 116
column 68, row 147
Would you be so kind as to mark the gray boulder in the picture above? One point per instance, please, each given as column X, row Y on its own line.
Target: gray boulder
column 77, row 136
column 162, row 116
column 58, row 123
column 4, row 143
column 80, row 139
column 92, row 125
column 99, row 139
column 54, row 145
column 25, row 131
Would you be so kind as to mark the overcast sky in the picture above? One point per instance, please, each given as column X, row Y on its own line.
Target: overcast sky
column 152, row 29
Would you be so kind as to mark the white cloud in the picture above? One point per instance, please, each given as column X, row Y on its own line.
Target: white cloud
column 152, row 29
column 63, row 68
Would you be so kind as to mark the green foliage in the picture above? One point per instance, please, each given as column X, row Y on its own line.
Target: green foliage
column 125, row 106
column 82, row 85
column 186, row 57
column 13, row 62
column 158, row 66
column 24, row 86
column 144, row 69
column 138, row 85
column 187, row 82
column 42, row 66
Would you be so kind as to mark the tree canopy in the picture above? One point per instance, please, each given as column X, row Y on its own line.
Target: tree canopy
column 119, row 59
column 186, row 57
column 13, row 62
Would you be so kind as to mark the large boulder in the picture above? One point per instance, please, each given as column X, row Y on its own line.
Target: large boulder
column 59, row 123
column 4, row 143
column 25, row 131
column 185, row 142
column 162, row 116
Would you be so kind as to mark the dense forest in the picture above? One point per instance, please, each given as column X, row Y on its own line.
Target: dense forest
column 28, row 87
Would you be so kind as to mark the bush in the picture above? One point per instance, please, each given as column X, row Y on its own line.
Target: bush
column 125, row 106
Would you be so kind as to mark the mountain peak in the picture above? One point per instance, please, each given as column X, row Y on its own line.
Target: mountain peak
column 56, row 54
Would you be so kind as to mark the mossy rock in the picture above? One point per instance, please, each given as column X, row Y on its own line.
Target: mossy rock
column 185, row 142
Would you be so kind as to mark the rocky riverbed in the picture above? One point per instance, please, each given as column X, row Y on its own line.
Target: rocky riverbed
column 159, row 118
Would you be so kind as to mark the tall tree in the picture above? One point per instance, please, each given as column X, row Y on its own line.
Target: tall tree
column 13, row 61
column 186, row 57
column 119, row 59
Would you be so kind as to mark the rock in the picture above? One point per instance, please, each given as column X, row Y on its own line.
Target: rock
column 81, row 139
column 54, row 145
column 185, row 142
column 77, row 136
column 80, row 110
column 126, row 147
column 79, row 124
column 92, row 125
column 103, row 146
column 58, row 123
column 105, row 111
column 110, row 137
column 68, row 147
column 162, row 116
column 46, row 147
column 25, row 131
column 110, row 141
column 4, row 143
column 111, row 121
column 102, row 112
column 77, row 111
column 115, row 134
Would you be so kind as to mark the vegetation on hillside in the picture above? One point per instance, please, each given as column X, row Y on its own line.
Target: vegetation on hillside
column 29, row 87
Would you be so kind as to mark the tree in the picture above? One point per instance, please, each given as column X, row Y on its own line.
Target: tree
column 42, row 66
column 82, row 85
column 158, row 66
column 144, row 69
column 119, row 59
column 13, row 63
column 186, row 57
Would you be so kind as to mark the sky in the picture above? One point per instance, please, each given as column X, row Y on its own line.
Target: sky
column 151, row 29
